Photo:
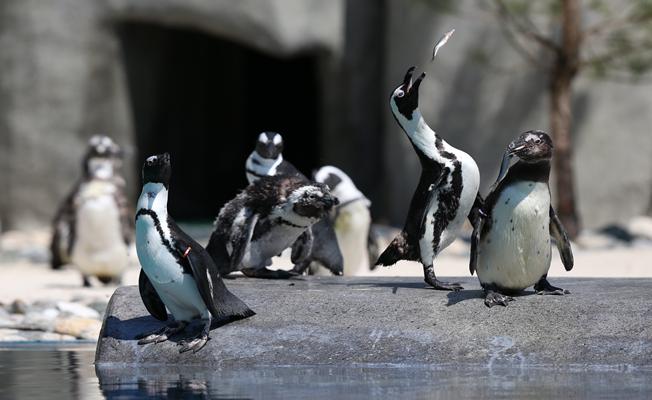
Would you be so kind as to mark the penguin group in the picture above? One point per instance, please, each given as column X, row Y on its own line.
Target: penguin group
column 323, row 221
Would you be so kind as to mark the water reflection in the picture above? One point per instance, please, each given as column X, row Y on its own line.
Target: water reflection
column 379, row 381
column 39, row 373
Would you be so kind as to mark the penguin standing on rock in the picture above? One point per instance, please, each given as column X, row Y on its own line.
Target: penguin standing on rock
column 267, row 160
column 446, row 193
column 92, row 229
column 270, row 215
column 510, row 246
column 352, row 221
column 177, row 273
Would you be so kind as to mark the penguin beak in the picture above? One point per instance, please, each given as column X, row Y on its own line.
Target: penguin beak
column 408, row 84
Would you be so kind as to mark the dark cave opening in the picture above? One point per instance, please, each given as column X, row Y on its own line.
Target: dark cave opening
column 205, row 100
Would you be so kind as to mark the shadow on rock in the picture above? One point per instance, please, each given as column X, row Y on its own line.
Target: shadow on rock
column 130, row 329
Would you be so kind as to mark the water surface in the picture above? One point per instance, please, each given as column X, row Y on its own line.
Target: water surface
column 39, row 372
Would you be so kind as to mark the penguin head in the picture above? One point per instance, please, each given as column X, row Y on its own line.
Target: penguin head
column 102, row 157
column 405, row 98
column 313, row 200
column 531, row 147
column 157, row 169
column 339, row 184
column 269, row 145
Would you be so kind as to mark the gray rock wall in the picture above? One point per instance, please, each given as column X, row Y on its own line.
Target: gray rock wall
column 62, row 79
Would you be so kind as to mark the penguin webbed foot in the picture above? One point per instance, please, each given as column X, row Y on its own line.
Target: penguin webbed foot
column 493, row 298
column 163, row 334
column 430, row 278
column 197, row 342
column 543, row 287
column 264, row 273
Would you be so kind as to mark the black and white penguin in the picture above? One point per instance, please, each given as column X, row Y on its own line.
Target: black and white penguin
column 510, row 246
column 267, row 160
column 445, row 195
column 177, row 273
column 270, row 215
column 351, row 220
column 92, row 229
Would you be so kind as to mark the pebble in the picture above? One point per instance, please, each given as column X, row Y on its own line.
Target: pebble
column 81, row 328
column 18, row 306
column 77, row 310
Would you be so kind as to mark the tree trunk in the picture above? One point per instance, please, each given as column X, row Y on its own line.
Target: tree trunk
column 560, row 124
column 563, row 72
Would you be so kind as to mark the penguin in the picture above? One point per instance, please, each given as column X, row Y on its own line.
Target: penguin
column 510, row 245
column 267, row 159
column 445, row 196
column 177, row 273
column 351, row 220
column 264, row 219
column 92, row 229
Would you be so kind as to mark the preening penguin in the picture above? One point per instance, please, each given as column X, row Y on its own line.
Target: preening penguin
column 267, row 160
column 92, row 229
column 264, row 219
column 177, row 273
column 351, row 219
column 510, row 246
column 445, row 195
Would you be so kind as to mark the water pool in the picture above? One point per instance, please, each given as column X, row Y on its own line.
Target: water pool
column 47, row 372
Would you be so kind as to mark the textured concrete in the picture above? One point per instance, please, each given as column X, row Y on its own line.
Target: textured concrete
column 335, row 321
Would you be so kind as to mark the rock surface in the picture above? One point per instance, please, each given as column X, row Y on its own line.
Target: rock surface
column 336, row 321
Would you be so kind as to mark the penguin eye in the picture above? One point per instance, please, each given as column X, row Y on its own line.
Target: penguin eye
column 537, row 141
column 400, row 94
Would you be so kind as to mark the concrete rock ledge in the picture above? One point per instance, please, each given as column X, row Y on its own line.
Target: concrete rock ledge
column 336, row 321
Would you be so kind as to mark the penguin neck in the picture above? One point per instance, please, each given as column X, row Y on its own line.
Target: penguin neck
column 535, row 172
column 263, row 166
column 154, row 197
column 425, row 140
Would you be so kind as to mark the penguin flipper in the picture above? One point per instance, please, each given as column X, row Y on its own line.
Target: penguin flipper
column 241, row 237
column 218, row 299
column 475, row 242
column 325, row 248
column 220, row 302
column 63, row 231
column 399, row 249
column 302, row 247
column 476, row 217
column 561, row 237
column 151, row 299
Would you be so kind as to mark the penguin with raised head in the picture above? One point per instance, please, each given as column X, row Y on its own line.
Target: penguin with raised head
column 510, row 245
column 267, row 160
column 446, row 193
column 351, row 220
column 177, row 273
column 92, row 229
column 271, row 214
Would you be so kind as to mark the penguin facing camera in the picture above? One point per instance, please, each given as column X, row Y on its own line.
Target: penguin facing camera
column 177, row 273
column 445, row 195
column 92, row 229
column 510, row 245
column 270, row 215
column 267, row 160
column 351, row 220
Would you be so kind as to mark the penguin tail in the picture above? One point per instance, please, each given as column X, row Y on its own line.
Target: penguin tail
column 399, row 249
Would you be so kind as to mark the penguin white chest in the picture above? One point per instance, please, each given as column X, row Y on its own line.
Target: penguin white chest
column 99, row 247
column 156, row 259
column 516, row 252
column 352, row 231
column 270, row 244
